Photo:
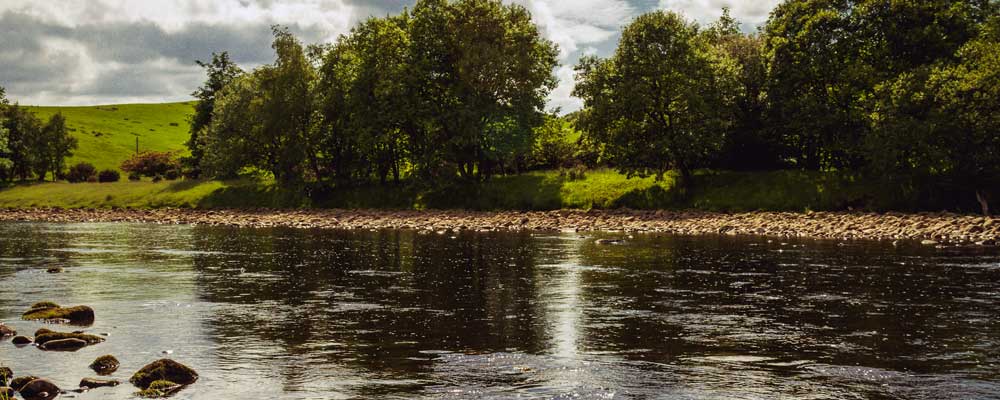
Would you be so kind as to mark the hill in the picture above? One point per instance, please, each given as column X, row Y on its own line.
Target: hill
column 107, row 134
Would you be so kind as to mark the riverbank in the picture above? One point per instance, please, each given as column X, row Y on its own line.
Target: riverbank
column 929, row 228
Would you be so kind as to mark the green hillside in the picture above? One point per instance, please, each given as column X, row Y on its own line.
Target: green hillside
column 107, row 134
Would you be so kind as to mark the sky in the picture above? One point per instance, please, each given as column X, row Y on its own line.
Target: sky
column 88, row 52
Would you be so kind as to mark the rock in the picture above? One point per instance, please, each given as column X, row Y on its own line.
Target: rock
column 6, row 393
column 165, row 369
column 93, row 383
column 78, row 315
column 987, row 242
column 6, row 331
column 6, row 374
column 18, row 383
column 929, row 242
column 158, row 389
column 42, row 331
column 43, row 338
column 39, row 389
column 54, row 270
column 22, row 341
column 64, row 345
column 608, row 241
column 105, row 365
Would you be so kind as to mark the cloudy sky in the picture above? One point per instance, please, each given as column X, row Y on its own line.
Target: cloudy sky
column 85, row 52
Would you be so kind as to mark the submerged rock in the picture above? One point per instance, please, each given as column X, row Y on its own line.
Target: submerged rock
column 93, row 383
column 164, row 370
column 22, row 340
column 609, row 241
column 54, row 270
column 105, row 365
column 64, row 345
column 39, row 389
column 48, row 311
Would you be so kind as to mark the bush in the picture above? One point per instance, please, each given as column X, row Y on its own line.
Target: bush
column 172, row 175
column 109, row 175
column 157, row 178
column 151, row 163
column 134, row 177
column 82, row 172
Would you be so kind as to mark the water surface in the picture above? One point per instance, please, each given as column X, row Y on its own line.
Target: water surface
column 314, row 314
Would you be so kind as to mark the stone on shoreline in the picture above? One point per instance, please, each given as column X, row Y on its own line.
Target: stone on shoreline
column 164, row 370
column 78, row 315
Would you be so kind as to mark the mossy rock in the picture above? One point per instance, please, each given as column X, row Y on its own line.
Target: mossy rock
column 49, row 336
column 64, row 345
column 6, row 331
column 78, row 315
column 93, row 383
column 105, row 365
column 19, row 383
column 39, row 389
column 160, row 388
column 164, row 370
column 42, row 331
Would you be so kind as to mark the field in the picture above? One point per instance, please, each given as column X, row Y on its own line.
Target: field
column 107, row 134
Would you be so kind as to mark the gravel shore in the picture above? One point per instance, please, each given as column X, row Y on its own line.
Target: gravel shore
column 928, row 228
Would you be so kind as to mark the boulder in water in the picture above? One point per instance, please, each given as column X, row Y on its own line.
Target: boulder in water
column 54, row 270
column 159, row 389
column 52, row 312
column 22, row 340
column 64, row 345
column 93, row 383
column 105, row 365
column 164, row 370
column 39, row 389
column 41, row 338
column 18, row 383
column 6, row 331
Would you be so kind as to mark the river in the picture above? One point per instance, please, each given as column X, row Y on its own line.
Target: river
column 329, row 314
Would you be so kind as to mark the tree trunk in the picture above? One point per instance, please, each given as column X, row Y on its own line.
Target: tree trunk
column 983, row 203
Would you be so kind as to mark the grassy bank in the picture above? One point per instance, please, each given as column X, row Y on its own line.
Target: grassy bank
column 717, row 191
column 106, row 134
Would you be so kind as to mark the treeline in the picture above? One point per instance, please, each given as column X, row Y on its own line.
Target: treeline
column 449, row 90
column 29, row 148
column 905, row 93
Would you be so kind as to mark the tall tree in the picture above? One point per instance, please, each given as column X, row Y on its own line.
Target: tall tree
column 221, row 71
column 22, row 132
column 55, row 146
column 266, row 116
column 483, row 71
column 660, row 102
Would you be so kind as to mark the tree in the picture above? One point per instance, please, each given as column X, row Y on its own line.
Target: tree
column 53, row 147
column 23, row 129
column 221, row 71
column 660, row 102
column 481, row 72
column 151, row 164
column 266, row 117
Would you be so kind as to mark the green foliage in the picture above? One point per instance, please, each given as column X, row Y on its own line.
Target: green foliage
column 221, row 71
column 555, row 144
column 151, row 163
column 661, row 102
column 109, row 175
column 82, row 172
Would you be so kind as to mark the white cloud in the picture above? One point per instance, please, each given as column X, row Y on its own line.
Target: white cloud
column 752, row 13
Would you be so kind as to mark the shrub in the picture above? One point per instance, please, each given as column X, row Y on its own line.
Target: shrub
column 109, row 175
column 81, row 172
column 134, row 177
column 172, row 174
column 151, row 163
column 157, row 178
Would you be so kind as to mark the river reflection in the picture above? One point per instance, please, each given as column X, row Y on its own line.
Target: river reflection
column 312, row 314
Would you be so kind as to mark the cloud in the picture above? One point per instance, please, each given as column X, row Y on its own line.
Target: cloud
column 752, row 13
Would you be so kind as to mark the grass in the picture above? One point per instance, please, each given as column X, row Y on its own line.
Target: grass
column 543, row 190
column 106, row 134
